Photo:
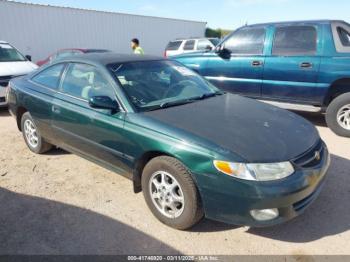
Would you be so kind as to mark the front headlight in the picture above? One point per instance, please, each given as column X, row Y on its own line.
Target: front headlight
column 257, row 172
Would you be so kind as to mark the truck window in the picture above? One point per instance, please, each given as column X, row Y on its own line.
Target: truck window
column 174, row 45
column 203, row 44
column 295, row 40
column 344, row 36
column 248, row 41
column 189, row 45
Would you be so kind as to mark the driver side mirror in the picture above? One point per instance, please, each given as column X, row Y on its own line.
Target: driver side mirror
column 223, row 52
column 29, row 57
column 104, row 102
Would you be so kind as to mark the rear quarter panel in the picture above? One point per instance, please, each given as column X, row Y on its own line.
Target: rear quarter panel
column 33, row 98
column 334, row 65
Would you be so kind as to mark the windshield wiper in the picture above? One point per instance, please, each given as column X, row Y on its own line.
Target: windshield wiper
column 184, row 101
column 208, row 95
column 176, row 103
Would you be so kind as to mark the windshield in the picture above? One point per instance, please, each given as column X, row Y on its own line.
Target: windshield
column 10, row 54
column 157, row 84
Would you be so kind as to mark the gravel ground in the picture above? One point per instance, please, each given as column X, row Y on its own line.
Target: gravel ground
column 59, row 203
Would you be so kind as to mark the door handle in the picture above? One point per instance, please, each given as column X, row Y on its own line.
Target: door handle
column 306, row 65
column 56, row 109
column 257, row 63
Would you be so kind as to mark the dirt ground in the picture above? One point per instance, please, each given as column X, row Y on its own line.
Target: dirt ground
column 59, row 203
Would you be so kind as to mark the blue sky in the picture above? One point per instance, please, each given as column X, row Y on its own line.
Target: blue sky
column 227, row 14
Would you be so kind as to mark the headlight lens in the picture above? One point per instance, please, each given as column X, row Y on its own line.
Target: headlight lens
column 257, row 172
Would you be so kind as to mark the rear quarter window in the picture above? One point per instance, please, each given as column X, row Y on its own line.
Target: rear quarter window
column 189, row 45
column 341, row 36
column 174, row 45
column 49, row 77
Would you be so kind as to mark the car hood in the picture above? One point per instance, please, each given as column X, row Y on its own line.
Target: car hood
column 16, row 68
column 255, row 131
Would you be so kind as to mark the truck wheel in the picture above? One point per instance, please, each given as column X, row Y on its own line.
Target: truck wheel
column 32, row 136
column 338, row 115
column 171, row 193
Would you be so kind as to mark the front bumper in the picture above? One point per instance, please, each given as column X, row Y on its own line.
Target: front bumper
column 230, row 200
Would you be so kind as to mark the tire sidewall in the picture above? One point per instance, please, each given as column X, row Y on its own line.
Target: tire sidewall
column 331, row 114
column 185, row 220
column 27, row 116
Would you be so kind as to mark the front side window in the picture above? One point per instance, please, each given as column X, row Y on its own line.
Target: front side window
column 295, row 40
column 154, row 84
column 247, row 41
column 10, row 54
column 203, row 44
column 189, row 45
column 49, row 77
column 84, row 81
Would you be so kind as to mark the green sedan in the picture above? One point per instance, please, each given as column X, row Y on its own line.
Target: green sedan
column 192, row 150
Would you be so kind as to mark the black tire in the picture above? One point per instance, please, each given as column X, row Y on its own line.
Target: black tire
column 42, row 146
column 332, row 113
column 192, row 208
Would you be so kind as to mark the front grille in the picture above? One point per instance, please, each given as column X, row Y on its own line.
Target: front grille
column 4, row 80
column 311, row 158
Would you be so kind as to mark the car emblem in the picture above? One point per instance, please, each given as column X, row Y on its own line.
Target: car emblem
column 317, row 155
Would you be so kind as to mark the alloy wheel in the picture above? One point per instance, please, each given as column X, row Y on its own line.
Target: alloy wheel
column 31, row 133
column 166, row 194
column 343, row 117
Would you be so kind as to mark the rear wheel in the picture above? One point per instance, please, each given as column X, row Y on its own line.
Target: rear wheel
column 171, row 193
column 338, row 115
column 32, row 135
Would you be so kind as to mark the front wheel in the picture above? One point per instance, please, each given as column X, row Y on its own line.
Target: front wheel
column 338, row 115
column 32, row 136
column 171, row 193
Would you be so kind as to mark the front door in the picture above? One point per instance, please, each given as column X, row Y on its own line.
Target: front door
column 291, row 71
column 96, row 134
column 241, row 72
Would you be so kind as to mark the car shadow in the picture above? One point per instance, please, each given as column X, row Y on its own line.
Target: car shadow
column 4, row 112
column 206, row 225
column 33, row 225
column 328, row 215
column 56, row 151
column 318, row 119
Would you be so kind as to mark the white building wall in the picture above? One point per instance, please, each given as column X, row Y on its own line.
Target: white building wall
column 40, row 30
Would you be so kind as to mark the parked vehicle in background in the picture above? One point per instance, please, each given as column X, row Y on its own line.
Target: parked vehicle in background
column 69, row 52
column 305, row 63
column 12, row 64
column 181, row 46
column 193, row 150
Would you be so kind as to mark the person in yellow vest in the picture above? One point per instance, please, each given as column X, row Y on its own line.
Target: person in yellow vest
column 135, row 45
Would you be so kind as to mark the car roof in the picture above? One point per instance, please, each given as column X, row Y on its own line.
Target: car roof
column 3, row 42
column 110, row 58
column 193, row 38
column 83, row 49
column 324, row 21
